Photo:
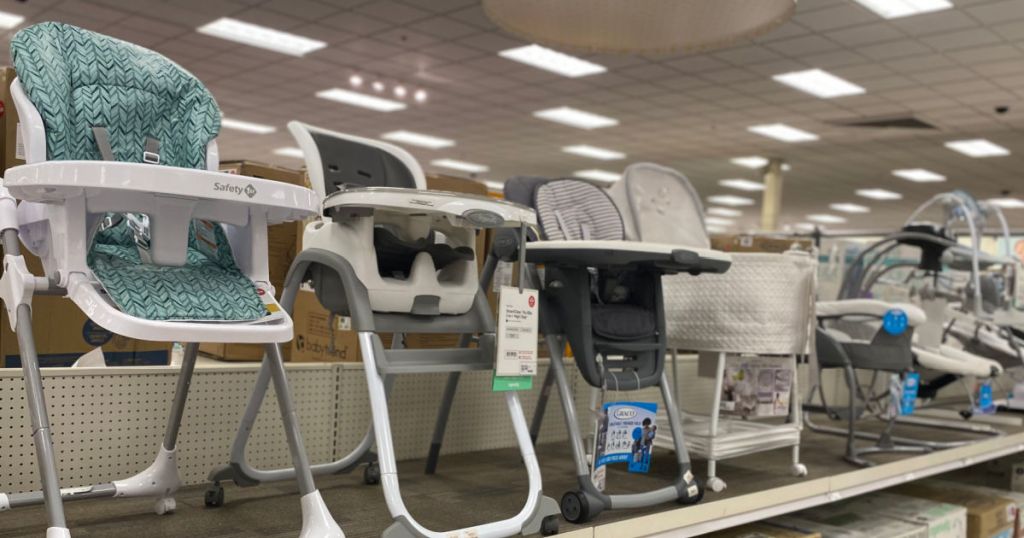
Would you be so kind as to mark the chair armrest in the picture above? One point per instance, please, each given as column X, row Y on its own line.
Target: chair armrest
column 72, row 193
column 460, row 209
column 667, row 258
column 868, row 307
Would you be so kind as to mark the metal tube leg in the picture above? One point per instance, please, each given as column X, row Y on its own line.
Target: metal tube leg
column 188, row 363
column 542, row 405
column 714, row 483
column 442, row 422
column 41, row 435
column 291, row 422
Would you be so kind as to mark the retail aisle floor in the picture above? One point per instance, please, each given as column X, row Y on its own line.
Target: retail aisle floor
column 468, row 489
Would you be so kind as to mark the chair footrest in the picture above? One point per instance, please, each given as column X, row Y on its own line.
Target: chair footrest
column 422, row 361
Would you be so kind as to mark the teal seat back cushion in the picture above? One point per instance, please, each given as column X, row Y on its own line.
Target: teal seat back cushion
column 78, row 80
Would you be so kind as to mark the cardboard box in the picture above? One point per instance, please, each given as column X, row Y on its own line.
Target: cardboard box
column 757, row 243
column 13, row 149
column 317, row 339
column 845, row 524
column 282, row 245
column 943, row 520
column 63, row 333
column 1015, row 496
column 762, row 530
column 988, row 516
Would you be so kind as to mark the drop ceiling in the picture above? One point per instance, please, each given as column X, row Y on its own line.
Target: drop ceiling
column 950, row 69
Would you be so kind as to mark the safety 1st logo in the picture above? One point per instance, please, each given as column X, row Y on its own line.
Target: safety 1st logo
column 248, row 190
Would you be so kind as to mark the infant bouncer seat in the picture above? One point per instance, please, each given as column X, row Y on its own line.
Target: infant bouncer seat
column 397, row 258
column 122, row 202
column 602, row 294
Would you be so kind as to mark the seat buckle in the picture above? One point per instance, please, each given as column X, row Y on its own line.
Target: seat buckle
column 150, row 157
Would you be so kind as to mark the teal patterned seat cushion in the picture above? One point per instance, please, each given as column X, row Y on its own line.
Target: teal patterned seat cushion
column 79, row 80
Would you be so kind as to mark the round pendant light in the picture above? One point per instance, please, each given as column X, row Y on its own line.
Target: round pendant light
column 638, row 26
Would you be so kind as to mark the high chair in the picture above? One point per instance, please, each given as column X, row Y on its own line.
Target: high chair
column 121, row 200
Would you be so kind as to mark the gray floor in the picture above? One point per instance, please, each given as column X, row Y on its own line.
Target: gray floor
column 468, row 489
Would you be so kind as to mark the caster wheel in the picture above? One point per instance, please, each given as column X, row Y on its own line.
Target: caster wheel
column 549, row 526
column 371, row 474
column 214, row 497
column 799, row 469
column 716, row 484
column 693, row 499
column 966, row 414
column 575, row 507
column 165, row 506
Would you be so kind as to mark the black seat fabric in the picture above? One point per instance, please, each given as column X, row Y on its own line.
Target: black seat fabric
column 395, row 255
column 622, row 321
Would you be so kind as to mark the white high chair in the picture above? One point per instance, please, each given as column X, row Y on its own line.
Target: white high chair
column 201, row 244
column 398, row 259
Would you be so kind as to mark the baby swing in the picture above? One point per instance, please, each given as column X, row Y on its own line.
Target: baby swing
column 121, row 200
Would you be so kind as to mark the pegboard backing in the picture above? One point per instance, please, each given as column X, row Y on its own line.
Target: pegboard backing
column 108, row 423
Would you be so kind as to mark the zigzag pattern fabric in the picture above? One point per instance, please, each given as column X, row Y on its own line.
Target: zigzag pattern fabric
column 78, row 80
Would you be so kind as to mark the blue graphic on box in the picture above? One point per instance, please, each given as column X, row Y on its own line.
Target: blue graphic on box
column 625, row 434
column 908, row 396
column 984, row 405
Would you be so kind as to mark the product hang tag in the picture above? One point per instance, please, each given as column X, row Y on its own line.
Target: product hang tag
column 517, row 332
column 625, row 434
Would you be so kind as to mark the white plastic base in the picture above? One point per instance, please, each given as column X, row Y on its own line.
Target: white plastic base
column 799, row 469
column 316, row 519
column 58, row 532
column 159, row 480
column 716, row 484
column 5, row 503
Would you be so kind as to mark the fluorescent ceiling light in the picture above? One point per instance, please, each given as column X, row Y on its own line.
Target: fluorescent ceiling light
column 593, row 152
column 553, row 61
column 892, row 9
column 819, row 83
column 825, row 218
column 724, row 212
column 978, row 148
column 718, row 221
column 496, row 186
column 362, row 100
column 461, row 166
column 260, row 36
column 753, row 162
column 575, row 117
column 850, row 208
column 247, row 126
column 597, row 175
column 804, row 226
column 879, row 194
column 730, row 200
column 289, row 152
column 742, row 184
column 1007, row 203
column 716, row 229
column 418, row 139
column 10, row 20
column 919, row 175
column 783, row 132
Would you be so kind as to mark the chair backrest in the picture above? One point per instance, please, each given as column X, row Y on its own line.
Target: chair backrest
column 660, row 205
column 576, row 210
column 80, row 80
column 336, row 159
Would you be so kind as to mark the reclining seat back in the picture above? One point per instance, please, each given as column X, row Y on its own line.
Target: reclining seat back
column 143, row 108
column 410, row 263
column 660, row 205
column 612, row 317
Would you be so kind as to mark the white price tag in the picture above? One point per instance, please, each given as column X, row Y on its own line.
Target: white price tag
column 517, row 332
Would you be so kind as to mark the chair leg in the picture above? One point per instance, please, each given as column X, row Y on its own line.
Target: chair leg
column 316, row 518
column 542, row 405
column 41, row 434
column 442, row 422
column 161, row 479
